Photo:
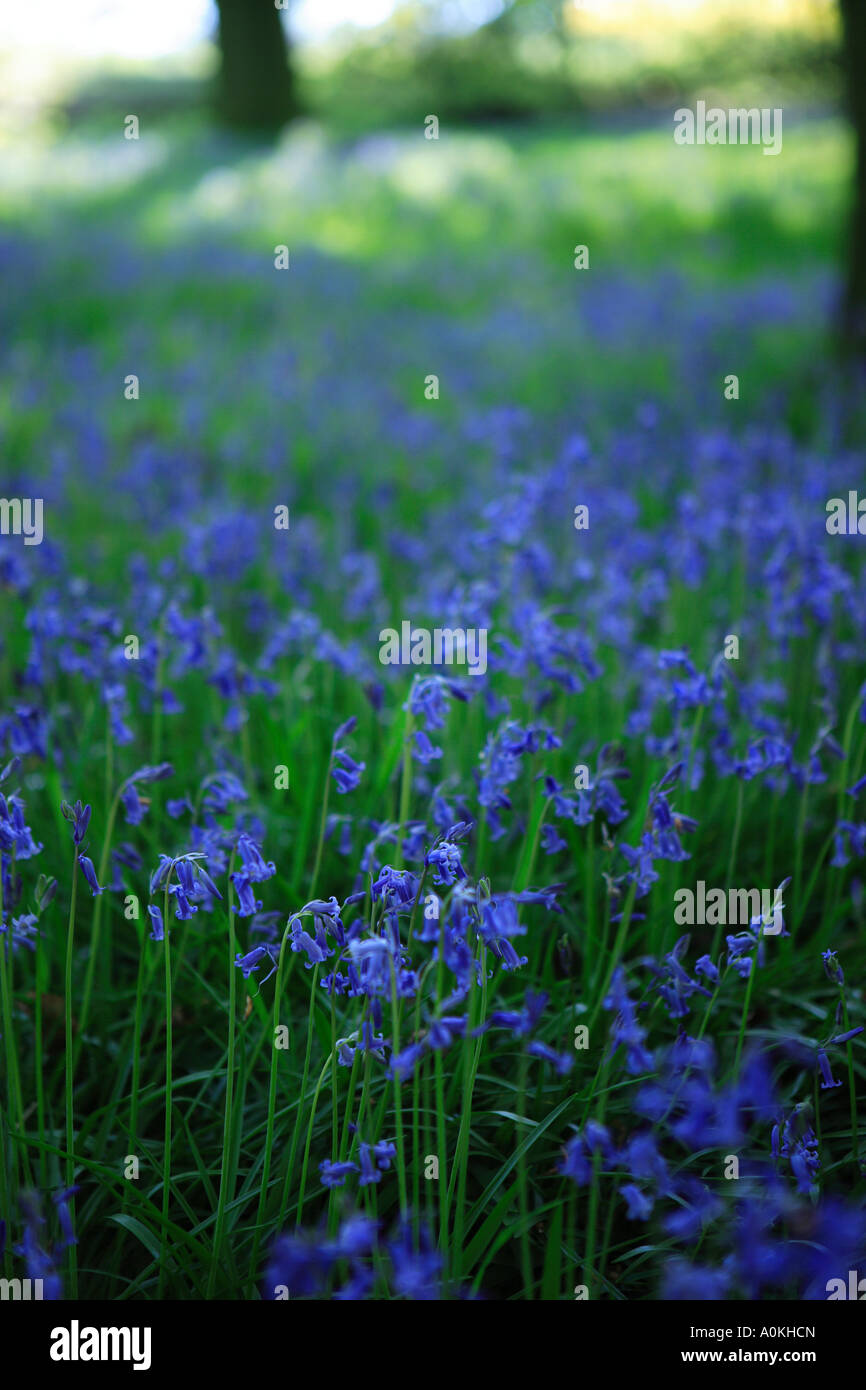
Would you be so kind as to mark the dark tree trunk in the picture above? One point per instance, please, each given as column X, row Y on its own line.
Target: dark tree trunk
column 854, row 57
column 255, row 90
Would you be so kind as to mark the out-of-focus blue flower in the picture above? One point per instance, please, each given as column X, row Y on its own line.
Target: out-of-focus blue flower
column 688, row 1281
column 61, row 1202
column 640, row 1206
column 416, row 1262
column 563, row 1061
column 40, row 1263
column 335, row 1174
column 625, row 1028
column 577, row 1163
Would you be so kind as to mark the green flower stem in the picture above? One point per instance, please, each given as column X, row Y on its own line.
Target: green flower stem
column 852, row 1085
column 272, row 1098
column 471, row 1058
column 306, row 1159
column 746, row 1002
column 522, row 1185
column 70, row 1068
column 96, row 926
column 405, row 778
column 15, row 1104
column 398, row 1104
column 290, row 1167
column 166, row 1148
column 226, row 1165
column 322, row 823
column 136, row 1048
column 619, row 943
column 350, row 1095
column 589, row 1274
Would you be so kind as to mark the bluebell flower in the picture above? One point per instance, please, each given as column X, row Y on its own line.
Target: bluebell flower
column 300, row 1263
column 79, row 816
column 563, row 1061
column 640, row 1206
column 551, row 841
column 346, row 773
column 335, row 1174
column 89, row 873
column 415, row 1261
column 687, row 1222
column 677, row 986
column 395, row 886
column 428, row 700
column 158, row 929
column 254, row 959
column 425, row 751
column 443, row 1031
column 547, row 896
column 375, row 1159
column 301, row 940
column 370, row 1041
column 14, row 831
column 344, row 729
column 61, row 1202
column 508, row 957
column 151, row 773
column 40, row 1263
column 403, row 1063
column 795, row 1140
column 522, row 1022
column 704, row 966
column 223, row 790
column 827, row 1081
column 625, row 1028
column 359, row 1285
column 448, row 867
column 115, row 700
column 832, row 968
column 254, row 866
column 643, row 1160
column 383, row 1152
column 356, row 1237
column 597, row 1139
column 20, row 931
column 577, row 1163
column 683, row 1280
column 247, row 904
column 499, row 918
column 133, row 807
column 805, row 1163
column 846, row 1037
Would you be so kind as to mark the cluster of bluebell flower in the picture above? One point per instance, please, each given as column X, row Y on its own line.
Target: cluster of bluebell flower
column 431, row 967
column 404, row 1263
column 41, row 1258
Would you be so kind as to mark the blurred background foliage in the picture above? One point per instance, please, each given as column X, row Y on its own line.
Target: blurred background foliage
column 479, row 60
column 556, row 127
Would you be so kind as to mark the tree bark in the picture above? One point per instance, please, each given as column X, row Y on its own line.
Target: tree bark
column 854, row 60
column 255, row 88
